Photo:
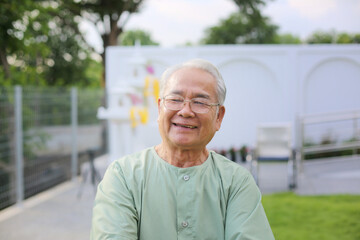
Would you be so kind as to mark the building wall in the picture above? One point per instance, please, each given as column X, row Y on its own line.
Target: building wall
column 265, row 83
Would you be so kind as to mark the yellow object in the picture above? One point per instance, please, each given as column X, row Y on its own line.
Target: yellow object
column 144, row 115
column 133, row 117
column 146, row 86
column 138, row 115
column 141, row 115
column 156, row 89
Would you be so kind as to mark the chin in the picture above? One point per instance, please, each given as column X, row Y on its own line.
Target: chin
column 185, row 143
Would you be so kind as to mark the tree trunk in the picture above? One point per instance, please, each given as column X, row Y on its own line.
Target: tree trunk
column 4, row 62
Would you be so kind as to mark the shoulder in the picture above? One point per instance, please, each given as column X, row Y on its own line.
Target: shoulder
column 228, row 167
column 133, row 159
column 232, row 174
column 129, row 164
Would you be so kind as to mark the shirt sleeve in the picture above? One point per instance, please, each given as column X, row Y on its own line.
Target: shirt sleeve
column 245, row 215
column 114, row 212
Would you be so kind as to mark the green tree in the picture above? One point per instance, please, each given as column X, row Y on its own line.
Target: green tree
column 250, row 8
column 332, row 37
column 356, row 38
column 240, row 28
column 128, row 38
column 247, row 25
column 107, row 16
column 43, row 44
column 346, row 38
column 69, row 58
column 321, row 37
column 287, row 39
column 11, row 34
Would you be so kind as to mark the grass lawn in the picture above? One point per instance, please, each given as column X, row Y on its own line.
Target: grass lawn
column 294, row 217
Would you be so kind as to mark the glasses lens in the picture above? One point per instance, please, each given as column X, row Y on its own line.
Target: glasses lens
column 177, row 103
column 199, row 106
column 173, row 103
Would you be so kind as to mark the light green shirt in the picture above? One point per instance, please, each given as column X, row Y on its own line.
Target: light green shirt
column 143, row 197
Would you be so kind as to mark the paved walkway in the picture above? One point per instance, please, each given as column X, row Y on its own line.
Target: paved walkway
column 59, row 213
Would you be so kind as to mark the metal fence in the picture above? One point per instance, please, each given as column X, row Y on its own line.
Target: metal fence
column 45, row 134
column 329, row 135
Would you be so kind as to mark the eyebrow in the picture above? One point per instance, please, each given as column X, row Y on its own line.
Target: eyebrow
column 199, row 95
column 202, row 96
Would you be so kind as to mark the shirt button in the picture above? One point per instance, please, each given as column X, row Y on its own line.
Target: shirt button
column 185, row 224
column 186, row 177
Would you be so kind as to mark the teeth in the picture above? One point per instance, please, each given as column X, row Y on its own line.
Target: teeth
column 191, row 127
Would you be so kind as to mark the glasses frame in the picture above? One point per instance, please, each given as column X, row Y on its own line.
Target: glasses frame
column 208, row 105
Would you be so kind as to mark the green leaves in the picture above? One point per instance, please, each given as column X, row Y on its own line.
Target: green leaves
column 331, row 37
column 128, row 38
column 240, row 28
column 40, row 44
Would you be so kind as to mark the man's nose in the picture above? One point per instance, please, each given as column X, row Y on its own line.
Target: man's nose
column 186, row 110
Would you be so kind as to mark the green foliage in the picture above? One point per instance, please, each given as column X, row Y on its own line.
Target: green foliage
column 247, row 26
column 89, row 100
column 93, row 75
column 11, row 23
column 287, row 39
column 356, row 38
column 40, row 44
column 129, row 38
column 240, row 28
column 321, row 37
column 313, row 217
column 105, row 14
column 250, row 7
column 101, row 8
column 344, row 38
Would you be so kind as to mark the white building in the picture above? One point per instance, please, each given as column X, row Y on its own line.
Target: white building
column 265, row 84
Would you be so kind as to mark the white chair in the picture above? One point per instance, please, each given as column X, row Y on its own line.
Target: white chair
column 274, row 143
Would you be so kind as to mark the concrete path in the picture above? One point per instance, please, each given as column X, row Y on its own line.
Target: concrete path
column 63, row 212
column 54, row 214
column 59, row 214
column 332, row 176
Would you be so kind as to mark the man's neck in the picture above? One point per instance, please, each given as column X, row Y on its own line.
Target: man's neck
column 182, row 158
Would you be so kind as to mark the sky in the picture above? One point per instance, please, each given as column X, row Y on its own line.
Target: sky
column 175, row 22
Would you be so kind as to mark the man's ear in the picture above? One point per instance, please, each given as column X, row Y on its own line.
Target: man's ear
column 220, row 117
column 159, row 104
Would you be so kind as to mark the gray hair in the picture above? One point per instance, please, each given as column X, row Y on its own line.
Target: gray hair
column 199, row 64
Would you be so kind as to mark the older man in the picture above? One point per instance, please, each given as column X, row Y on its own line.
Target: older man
column 179, row 189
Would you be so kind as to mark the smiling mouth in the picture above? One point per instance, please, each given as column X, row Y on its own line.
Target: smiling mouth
column 185, row 126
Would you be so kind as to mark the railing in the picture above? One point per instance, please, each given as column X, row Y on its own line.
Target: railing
column 337, row 134
column 45, row 134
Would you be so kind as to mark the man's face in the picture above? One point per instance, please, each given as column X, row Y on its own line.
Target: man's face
column 184, row 128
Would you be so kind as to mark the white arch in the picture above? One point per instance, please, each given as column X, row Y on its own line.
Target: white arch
column 249, row 60
column 251, row 100
column 305, row 87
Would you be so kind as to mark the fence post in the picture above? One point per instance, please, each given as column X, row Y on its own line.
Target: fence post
column 74, row 128
column 355, row 133
column 300, row 122
column 19, row 162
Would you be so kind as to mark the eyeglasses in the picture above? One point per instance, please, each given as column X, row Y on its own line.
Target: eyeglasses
column 197, row 105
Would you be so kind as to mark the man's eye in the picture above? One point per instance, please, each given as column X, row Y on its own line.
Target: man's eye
column 199, row 102
column 176, row 100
